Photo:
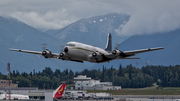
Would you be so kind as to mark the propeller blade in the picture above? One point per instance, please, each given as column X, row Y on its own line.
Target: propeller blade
column 54, row 59
column 44, row 46
column 61, row 48
column 38, row 56
column 117, row 46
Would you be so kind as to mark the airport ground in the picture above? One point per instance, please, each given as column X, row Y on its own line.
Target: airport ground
column 121, row 98
column 137, row 94
column 142, row 91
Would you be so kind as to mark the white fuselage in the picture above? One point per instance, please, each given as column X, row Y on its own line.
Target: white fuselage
column 80, row 51
column 13, row 96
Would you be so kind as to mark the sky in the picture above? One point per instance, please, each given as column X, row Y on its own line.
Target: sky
column 146, row 16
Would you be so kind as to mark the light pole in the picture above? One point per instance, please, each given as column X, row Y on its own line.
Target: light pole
column 113, row 76
column 17, row 83
column 113, row 79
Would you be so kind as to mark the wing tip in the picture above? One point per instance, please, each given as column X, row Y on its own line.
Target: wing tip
column 14, row 49
column 160, row 47
column 11, row 49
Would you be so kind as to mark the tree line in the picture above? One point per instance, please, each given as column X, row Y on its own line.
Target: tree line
column 127, row 77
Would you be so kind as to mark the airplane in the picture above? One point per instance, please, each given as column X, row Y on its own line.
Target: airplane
column 13, row 96
column 79, row 52
column 57, row 94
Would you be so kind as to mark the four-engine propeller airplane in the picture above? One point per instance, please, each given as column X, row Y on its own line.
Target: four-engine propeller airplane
column 79, row 52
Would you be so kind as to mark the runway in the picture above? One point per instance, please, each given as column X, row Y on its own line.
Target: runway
column 148, row 96
column 115, row 99
column 129, row 98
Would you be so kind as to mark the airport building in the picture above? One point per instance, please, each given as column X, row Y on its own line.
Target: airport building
column 20, row 90
column 82, row 83
column 3, row 84
column 14, row 89
column 86, row 83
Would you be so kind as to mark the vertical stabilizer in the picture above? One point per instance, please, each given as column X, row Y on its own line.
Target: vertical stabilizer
column 109, row 43
column 59, row 91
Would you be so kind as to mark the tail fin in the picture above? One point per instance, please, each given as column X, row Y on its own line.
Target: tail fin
column 59, row 91
column 109, row 43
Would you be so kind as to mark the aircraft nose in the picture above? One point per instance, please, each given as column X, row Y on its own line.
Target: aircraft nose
column 65, row 49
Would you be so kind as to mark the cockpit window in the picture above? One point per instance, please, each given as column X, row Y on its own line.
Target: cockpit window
column 72, row 45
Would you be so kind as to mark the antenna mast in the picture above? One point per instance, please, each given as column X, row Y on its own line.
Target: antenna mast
column 8, row 83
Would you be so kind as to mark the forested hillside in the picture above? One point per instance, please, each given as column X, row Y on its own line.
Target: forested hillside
column 127, row 77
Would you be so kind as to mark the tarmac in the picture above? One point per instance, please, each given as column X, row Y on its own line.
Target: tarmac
column 148, row 96
column 128, row 98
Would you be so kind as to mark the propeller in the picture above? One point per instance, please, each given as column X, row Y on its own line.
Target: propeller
column 61, row 54
column 61, row 48
column 117, row 46
column 44, row 46
column 38, row 56
column 116, row 50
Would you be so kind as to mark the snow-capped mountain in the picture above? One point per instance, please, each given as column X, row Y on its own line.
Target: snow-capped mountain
column 94, row 28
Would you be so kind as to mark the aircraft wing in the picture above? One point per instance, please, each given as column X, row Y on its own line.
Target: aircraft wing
column 27, row 51
column 133, row 52
column 126, row 54
column 50, row 55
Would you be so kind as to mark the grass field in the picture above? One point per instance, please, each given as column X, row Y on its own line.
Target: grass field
column 142, row 91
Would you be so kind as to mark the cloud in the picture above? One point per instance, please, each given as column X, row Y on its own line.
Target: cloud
column 147, row 17
column 152, row 17
column 52, row 14
column 45, row 21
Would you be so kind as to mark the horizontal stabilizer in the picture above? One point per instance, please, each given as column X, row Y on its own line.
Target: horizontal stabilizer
column 131, row 58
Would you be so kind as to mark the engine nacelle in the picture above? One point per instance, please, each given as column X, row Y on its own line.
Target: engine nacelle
column 66, row 49
column 46, row 53
column 95, row 56
column 62, row 56
column 116, row 52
